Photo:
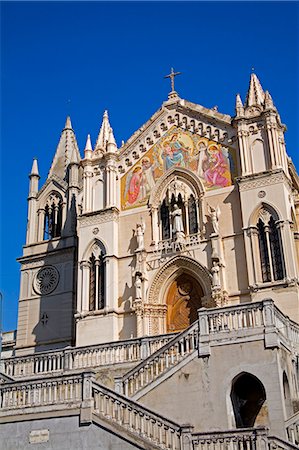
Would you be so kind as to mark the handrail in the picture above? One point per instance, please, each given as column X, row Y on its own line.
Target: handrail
column 41, row 391
column 130, row 350
column 162, row 360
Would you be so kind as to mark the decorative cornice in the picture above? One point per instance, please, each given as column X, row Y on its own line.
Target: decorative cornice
column 106, row 215
column 263, row 179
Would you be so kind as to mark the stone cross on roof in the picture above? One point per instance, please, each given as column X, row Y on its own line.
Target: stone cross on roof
column 171, row 76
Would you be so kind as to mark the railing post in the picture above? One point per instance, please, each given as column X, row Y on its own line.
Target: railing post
column 118, row 384
column 145, row 348
column 203, row 333
column 186, row 438
column 261, row 438
column 271, row 338
column 87, row 400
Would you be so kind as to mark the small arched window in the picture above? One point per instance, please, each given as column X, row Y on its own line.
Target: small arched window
column 53, row 217
column 270, row 246
column 96, row 282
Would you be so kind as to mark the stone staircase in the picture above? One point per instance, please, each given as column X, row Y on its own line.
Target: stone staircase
column 161, row 364
column 80, row 394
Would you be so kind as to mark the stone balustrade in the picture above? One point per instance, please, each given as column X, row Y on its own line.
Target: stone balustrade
column 241, row 439
column 292, row 426
column 136, row 419
column 161, row 361
column 260, row 319
column 41, row 392
column 82, row 393
column 131, row 350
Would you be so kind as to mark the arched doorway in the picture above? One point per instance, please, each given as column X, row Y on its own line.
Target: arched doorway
column 248, row 396
column 183, row 300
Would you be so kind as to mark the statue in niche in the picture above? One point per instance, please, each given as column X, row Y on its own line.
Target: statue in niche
column 215, row 275
column 214, row 214
column 177, row 226
column 140, row 229
column 138, row 286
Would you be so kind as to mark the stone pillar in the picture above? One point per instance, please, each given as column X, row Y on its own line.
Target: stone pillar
column 85, row 286
column 155, row 227
column 41, row 224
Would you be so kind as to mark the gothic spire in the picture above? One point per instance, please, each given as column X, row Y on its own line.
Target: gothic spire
column 34, row 170
column 67, row 149
column 255, row 95
column 103, row 136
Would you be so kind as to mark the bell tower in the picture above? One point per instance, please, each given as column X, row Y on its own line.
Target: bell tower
column 46, row 302
column 267, row 200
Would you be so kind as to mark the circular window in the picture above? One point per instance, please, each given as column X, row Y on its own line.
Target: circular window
column 46, row 280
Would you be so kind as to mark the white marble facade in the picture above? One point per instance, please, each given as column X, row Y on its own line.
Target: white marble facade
column 193, row 193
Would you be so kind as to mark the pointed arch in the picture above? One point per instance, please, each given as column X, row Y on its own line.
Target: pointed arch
column 260, row 208
column 96, row 246
column 171, row 270
column 179, row 189
column 181, row 174
column 266, row 241
column 94, row 276
column 53, row 216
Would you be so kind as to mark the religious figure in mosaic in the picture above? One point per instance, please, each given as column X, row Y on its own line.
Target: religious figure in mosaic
column 174, row 153
column 217, row 172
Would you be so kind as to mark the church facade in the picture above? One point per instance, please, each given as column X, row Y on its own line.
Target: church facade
column 159, row 287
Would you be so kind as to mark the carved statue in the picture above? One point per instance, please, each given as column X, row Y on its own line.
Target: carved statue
column 140, row 229
column 138, row 286
column 215, row 214
column 215, row 273
column 177, row 219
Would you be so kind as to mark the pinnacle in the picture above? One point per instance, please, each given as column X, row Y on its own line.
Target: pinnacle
column 88, row 143
column 255, row 95
column 68, row 123
column 103, row 136
column 238, row 100
column 111, row 144
column 34, row 170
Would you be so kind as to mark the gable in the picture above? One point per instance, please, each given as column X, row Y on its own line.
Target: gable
column 214, row 164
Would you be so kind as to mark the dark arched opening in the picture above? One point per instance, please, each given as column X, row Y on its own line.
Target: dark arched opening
column 248, row 396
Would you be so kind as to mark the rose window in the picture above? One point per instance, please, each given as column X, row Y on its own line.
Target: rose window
column 46, row 280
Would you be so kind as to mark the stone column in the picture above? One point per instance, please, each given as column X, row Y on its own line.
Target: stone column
column 155, row 228
column 41, row 224
column 85, row 286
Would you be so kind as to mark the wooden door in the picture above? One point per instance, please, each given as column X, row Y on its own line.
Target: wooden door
column 183, row 300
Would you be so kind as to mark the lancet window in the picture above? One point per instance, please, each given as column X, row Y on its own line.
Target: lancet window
column 96, row 282
column 53, row 217
column 270, row 247
column 178, row 196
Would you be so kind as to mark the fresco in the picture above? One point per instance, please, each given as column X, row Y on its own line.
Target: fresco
column 213, row 164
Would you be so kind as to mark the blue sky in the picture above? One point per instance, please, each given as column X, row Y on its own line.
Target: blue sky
column 82, row 58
